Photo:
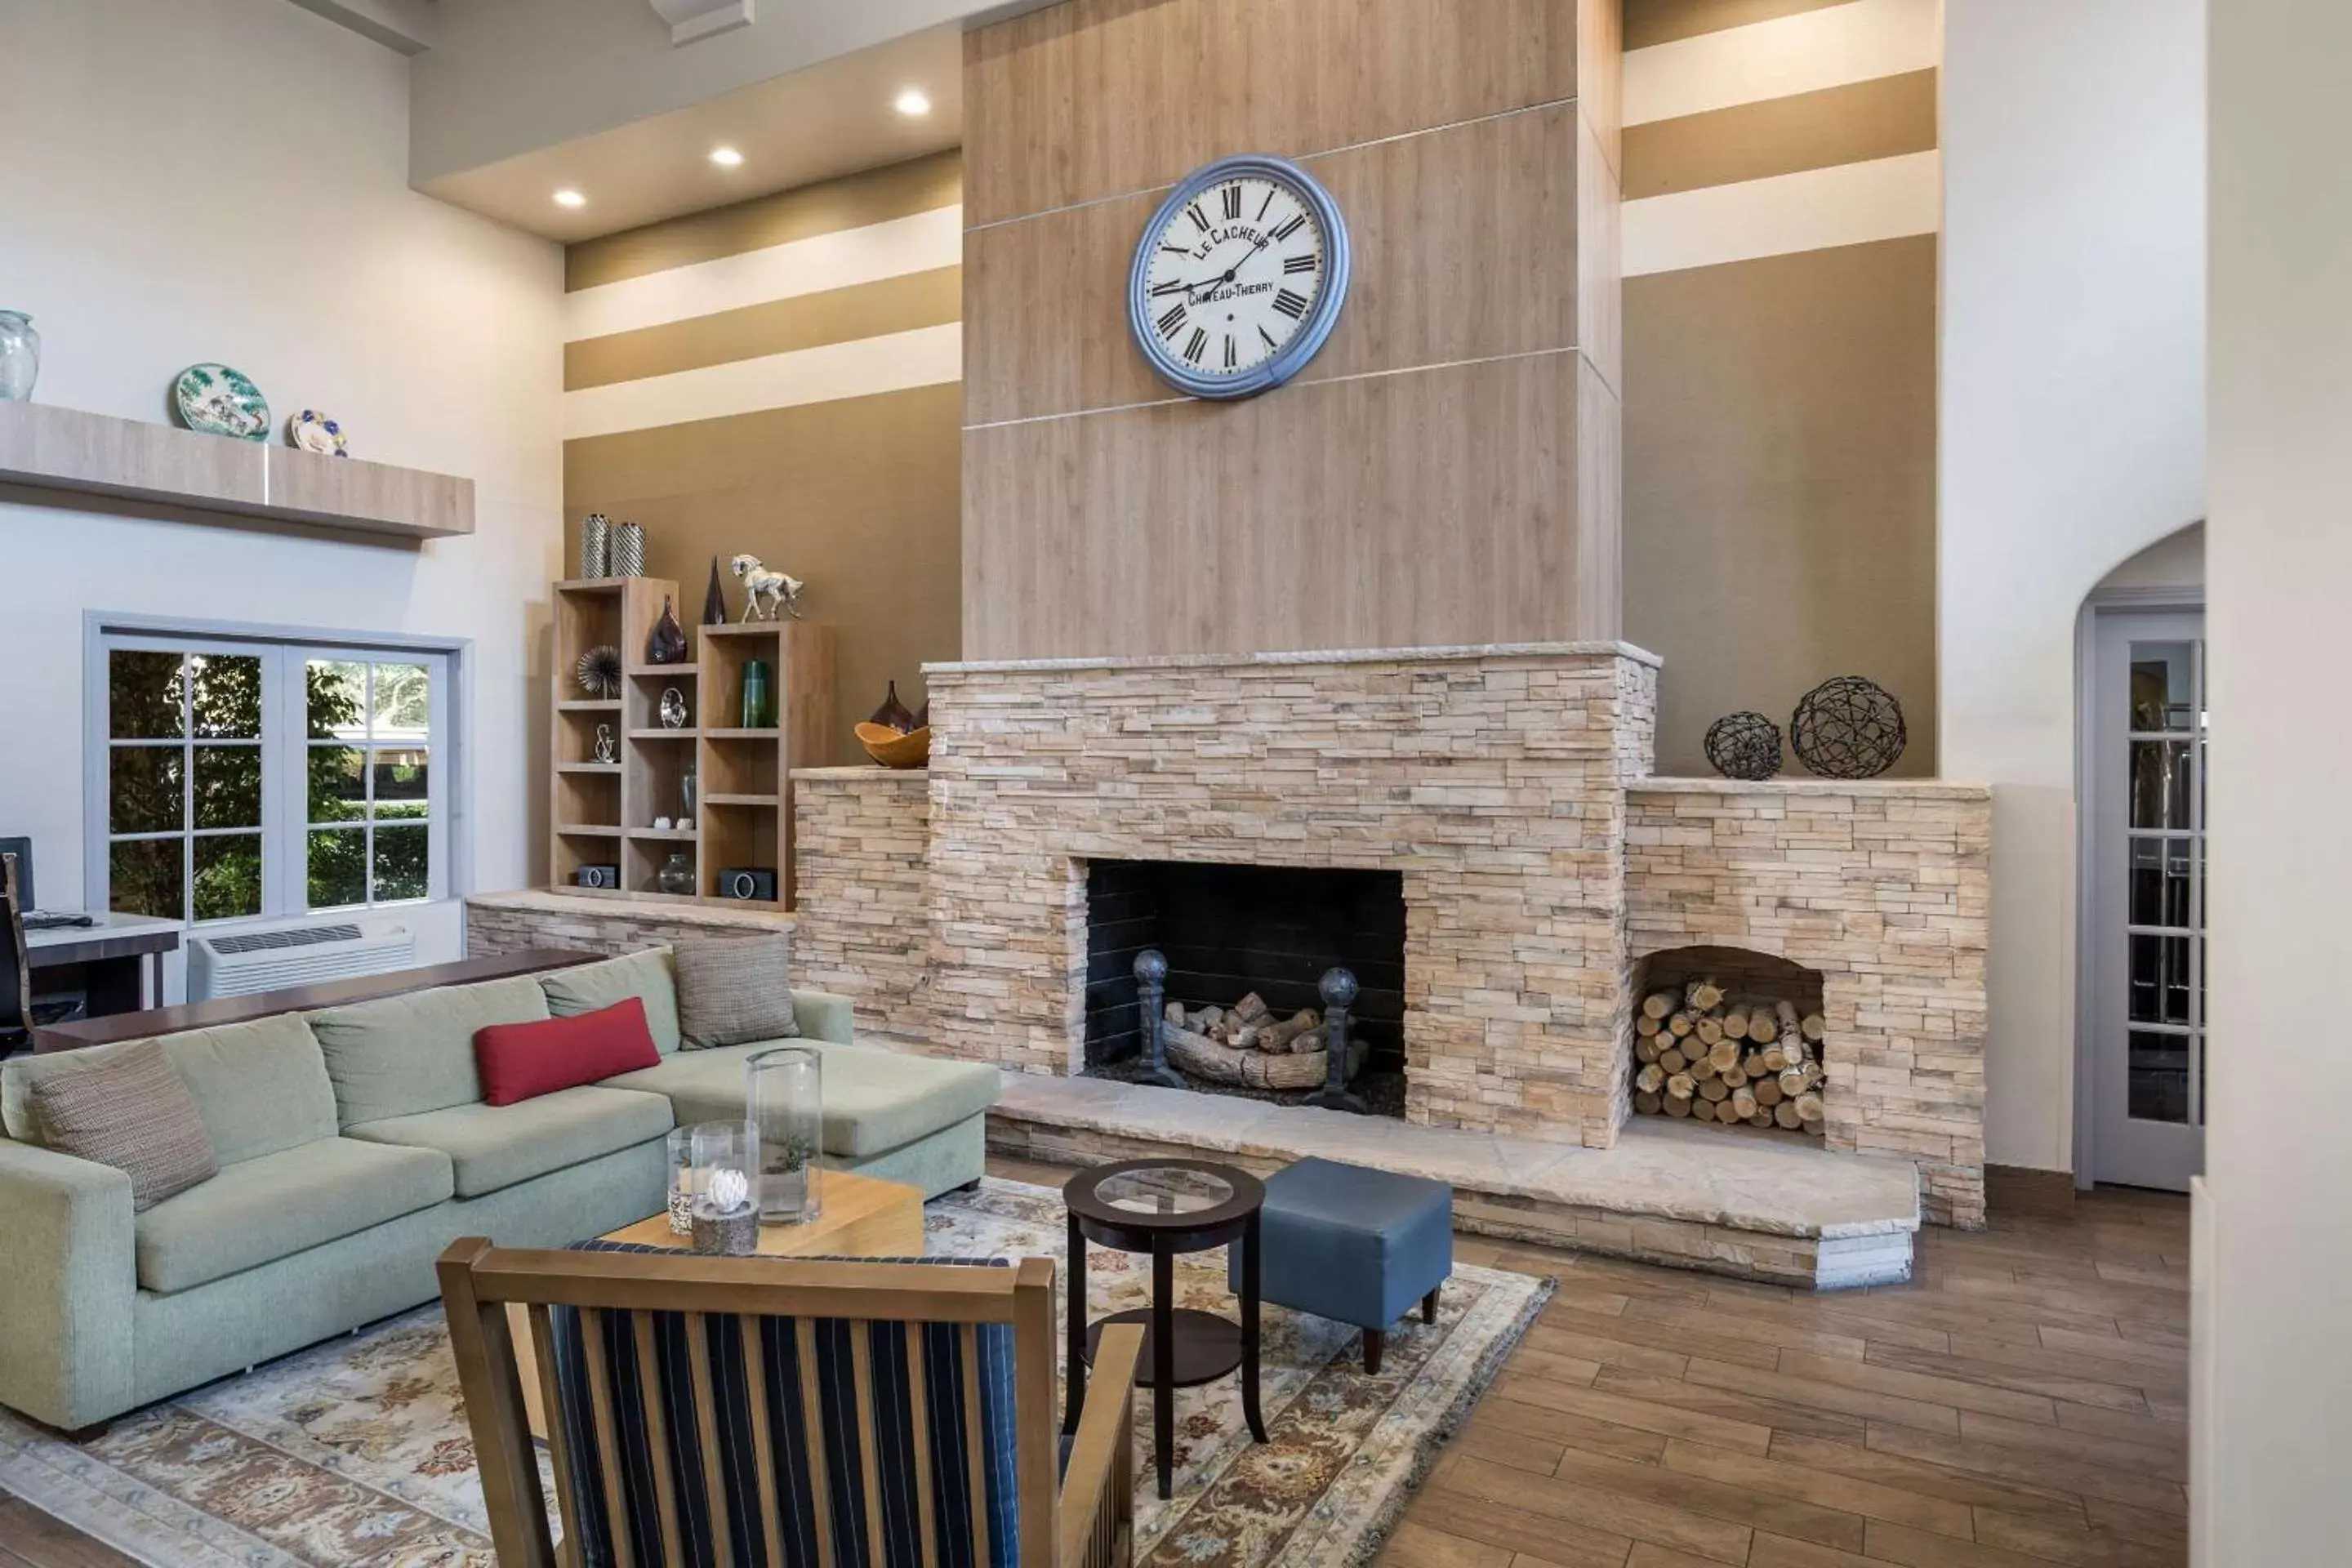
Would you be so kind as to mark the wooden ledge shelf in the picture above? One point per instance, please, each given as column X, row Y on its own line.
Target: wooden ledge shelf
column 612, row 768
column 66, row 449
column 767, row 800
column 588, row 830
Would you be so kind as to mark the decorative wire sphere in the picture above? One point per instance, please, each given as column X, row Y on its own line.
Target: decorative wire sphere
column 1847, row 728
column 1744, row 745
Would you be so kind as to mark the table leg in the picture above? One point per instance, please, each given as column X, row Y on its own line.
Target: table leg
column 1164, row 1363
column 1250, row 1330
column 1074, row 1376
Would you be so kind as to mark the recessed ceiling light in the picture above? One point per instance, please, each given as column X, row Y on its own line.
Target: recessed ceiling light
column 914, row 103
column 727, row 157
column 568, row 197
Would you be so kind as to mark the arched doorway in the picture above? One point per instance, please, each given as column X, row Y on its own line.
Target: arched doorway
column 2141, row 795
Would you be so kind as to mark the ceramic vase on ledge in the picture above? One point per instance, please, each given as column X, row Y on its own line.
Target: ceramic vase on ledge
column 20, row 357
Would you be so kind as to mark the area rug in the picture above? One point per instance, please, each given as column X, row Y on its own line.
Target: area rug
column 356, row 1452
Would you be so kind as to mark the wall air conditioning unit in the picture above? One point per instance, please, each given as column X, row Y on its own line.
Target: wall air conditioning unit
column 242, row 962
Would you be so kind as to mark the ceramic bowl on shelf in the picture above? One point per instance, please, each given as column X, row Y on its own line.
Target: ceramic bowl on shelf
column 894, row 750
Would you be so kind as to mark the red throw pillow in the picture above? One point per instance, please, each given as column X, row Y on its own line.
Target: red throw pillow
column 522, row 1061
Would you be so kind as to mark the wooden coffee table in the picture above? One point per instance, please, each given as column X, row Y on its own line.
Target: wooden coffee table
column 862, row 1218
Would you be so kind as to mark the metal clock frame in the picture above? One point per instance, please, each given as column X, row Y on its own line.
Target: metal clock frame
column 1321, row 317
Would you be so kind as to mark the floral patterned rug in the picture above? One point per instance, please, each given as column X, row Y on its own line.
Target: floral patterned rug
column 356, row 1452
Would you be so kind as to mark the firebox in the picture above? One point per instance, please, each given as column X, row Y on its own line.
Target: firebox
column 1232, row 932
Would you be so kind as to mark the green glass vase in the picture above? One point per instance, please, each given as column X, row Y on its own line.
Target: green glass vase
column 759, row 706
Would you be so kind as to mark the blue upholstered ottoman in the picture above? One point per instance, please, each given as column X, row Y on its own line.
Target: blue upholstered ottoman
column 1353, row 1244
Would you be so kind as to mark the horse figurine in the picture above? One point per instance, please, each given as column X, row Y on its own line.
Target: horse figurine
column 774, row 589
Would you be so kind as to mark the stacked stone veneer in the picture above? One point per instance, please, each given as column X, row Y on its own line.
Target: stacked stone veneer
column 861, row 840
column 588, row 922
column 1884, row 889
column 1492, row 778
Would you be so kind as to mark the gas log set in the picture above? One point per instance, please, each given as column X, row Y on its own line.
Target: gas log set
column 1702, row 1054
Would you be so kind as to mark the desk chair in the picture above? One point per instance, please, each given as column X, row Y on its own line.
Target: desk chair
column 19, row 1014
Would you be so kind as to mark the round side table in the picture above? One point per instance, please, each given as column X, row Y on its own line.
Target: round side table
column 1164, row 1208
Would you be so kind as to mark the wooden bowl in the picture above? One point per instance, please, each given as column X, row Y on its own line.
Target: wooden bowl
column 893, row 750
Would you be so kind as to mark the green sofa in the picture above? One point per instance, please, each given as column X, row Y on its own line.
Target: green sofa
column 354, row 1145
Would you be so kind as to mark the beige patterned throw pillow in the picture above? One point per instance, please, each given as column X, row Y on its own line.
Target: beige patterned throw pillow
column 733, row 990
column 134, row 1112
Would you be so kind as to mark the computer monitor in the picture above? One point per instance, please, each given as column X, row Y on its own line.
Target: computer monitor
column 22, row 848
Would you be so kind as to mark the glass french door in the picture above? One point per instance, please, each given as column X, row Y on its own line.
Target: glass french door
column 2148, row 813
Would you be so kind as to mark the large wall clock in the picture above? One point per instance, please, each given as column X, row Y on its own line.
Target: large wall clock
column 1239, row 277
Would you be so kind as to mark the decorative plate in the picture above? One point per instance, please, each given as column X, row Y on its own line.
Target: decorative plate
column 314, row 432
column 218, row 401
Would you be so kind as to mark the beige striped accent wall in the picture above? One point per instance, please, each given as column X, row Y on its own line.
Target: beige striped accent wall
column 783, row 376
column 1782, row 201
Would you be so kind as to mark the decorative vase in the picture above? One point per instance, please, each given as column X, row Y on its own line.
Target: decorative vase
column 714, row 599
column 725, row 1214
column 784, row 1091
column 20, row 356
column 595, row 546
column 628, row 552
column 676, row 873
column 686, row 793
column 667, row 644
column 893, row 713
column 758, row 712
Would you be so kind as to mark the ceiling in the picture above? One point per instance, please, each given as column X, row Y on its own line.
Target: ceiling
column 819, row 123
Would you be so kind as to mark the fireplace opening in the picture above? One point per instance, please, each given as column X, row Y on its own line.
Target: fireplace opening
column 1731, row 1038
column 1251, row 958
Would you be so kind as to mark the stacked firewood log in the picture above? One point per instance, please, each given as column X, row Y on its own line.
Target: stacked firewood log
column 1246, row 1044
column 1701, row 1054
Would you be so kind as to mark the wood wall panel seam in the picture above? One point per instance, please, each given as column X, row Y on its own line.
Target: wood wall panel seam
column 1465, row 245
column 1092, row 96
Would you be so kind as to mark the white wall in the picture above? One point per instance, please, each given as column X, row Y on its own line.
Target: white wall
column 227, row 179
column 2071, row 434
column 2272, row 1438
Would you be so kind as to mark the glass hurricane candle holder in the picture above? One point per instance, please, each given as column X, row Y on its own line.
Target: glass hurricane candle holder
column 726, row 1209
column 784, row 1091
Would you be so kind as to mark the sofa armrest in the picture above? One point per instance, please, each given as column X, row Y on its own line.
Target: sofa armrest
column 823, row 1016
column 67, row 1288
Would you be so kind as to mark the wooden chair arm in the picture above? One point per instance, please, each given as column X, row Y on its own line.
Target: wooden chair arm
column 1091, row 1522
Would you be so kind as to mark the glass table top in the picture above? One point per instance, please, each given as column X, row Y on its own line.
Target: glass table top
column 1164, row 1189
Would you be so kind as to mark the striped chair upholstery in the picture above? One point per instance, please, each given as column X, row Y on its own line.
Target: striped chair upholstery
column 841, row 1431
column 785, row 1412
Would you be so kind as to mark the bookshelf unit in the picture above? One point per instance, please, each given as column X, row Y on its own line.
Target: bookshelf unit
column 602, row 814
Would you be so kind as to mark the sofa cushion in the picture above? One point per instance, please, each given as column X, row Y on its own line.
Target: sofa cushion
column 875, row 1100
column 400, row 1055
column 496, row 1146
column 131, row 1112
column 524, row 1061
column 590, row 987
column 733, row 991
column 259, row 1210
column 260, row 1085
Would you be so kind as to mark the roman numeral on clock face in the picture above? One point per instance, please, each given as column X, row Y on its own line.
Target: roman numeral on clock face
column 1173, row 285
column 1285, row 230
column 1232, row 355
column 1298, row 264
column 1199, row 340
column 1200, row 221
column 1172, row 321
column 1290, row 304
column 1232, row 203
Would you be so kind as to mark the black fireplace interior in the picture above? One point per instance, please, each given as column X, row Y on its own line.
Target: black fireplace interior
column 1230, row 930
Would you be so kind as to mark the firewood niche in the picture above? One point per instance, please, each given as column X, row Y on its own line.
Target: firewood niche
column 1703, row 1053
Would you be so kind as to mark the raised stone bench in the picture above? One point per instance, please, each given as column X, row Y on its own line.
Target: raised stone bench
column 1753, row 1205
column 512, row 922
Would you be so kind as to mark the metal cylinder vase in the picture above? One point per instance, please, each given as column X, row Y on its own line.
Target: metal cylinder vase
column 628, row 552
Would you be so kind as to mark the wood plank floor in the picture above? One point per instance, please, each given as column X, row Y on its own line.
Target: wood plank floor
column 2022, row 1404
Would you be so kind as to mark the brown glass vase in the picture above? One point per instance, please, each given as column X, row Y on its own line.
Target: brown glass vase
column 893, row 713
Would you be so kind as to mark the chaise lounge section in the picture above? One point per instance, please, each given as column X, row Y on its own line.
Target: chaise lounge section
column 354, row 1144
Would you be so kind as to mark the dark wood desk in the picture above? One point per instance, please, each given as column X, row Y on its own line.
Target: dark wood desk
column 117, row 962
column 299, row 999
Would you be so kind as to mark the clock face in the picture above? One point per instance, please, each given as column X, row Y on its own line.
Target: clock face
column 1239, row 278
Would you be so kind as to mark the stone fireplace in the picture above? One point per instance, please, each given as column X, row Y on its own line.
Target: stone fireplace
column 1543, row 874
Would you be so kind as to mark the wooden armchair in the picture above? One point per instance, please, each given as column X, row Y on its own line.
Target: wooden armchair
column 903, row 1414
